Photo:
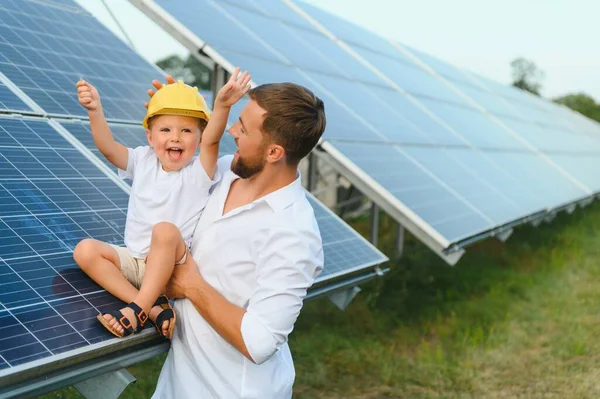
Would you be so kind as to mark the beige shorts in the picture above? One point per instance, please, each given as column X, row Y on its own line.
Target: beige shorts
column 134, row 268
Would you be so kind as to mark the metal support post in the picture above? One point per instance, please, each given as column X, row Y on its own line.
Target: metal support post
column 504, row 235
column 219, row 79
column 399, row 241
column 342, row 299
column 374, row 224
column 312, row 172
column 106, row 386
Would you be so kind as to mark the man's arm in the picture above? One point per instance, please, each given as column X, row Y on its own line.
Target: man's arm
column 288, row 266
column 116, row 153
column 225, row 317
column 228, row 95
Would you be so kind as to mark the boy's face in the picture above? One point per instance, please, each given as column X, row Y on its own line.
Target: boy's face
column 174, row 139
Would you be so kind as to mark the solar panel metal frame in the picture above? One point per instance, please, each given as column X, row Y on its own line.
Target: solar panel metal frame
column 449, row 251
column 35, row 108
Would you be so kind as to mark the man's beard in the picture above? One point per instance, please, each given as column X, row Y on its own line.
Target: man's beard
column 246, row 168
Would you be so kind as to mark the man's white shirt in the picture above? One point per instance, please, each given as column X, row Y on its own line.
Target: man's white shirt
column 261, row 257
column 156, row 196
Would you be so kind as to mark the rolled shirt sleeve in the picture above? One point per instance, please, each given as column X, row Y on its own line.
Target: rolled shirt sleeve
column 289, row 263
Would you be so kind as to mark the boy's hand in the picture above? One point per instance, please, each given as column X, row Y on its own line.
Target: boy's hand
column 88, row 95
column 234, row 89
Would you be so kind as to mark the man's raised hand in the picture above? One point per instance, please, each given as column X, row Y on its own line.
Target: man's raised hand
column 87, row 95
column 169, row 79
column 234, row 89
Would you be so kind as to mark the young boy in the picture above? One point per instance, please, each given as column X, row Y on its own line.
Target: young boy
column 168, row 186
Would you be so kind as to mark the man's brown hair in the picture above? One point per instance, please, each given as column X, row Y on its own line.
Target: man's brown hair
column 295, row 117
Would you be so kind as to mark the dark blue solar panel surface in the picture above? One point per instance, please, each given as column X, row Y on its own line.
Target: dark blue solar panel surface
column 10, row 101
column 51, row 197
column 45, row 50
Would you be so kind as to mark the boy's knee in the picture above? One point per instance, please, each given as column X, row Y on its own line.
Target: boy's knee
column 84, row 251
column 165, row 232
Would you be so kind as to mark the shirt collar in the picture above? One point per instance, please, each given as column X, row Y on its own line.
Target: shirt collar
column 280, row 198
column 283, row 197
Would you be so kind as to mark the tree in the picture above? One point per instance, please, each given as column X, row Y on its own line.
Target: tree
column 526, row 75
column 190, row 70
column 581, row 103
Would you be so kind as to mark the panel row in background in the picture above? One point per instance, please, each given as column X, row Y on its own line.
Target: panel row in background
column 463, row 192
column 45, row 48
column 364, row 91
column 505, row 102
column 497, row 97
column 276, row 44
column 418, row 148
column 52, row 197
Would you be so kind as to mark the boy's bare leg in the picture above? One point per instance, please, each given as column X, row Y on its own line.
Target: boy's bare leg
column 166, row 248
column 101, row 263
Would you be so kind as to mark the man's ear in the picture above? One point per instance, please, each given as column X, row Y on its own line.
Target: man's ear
column 275, row 153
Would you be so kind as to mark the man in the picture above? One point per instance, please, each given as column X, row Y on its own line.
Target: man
column 256, row 251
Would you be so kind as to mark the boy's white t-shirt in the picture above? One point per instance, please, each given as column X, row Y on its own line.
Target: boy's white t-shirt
column 156, row 196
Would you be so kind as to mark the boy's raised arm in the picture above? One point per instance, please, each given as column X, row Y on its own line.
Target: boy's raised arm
column 116, row 153
column 229, row 94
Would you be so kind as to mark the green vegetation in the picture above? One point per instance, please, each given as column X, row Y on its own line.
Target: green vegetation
column 527, row 76
column 188, row 69
column 581, row 103
column 518, row 319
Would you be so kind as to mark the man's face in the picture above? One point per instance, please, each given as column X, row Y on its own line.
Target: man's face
column 174, row 139
column 250, row 158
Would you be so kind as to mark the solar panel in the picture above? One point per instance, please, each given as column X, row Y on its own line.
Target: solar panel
column 408, row 146
column 46, row 47
column 52, row 197
column 9, row 100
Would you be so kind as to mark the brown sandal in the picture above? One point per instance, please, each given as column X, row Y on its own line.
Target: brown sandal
column 124, row 322
column 168, row 313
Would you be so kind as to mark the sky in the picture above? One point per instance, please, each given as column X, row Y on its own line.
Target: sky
column 560, row 36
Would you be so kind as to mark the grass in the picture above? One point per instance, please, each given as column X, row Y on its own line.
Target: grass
column 518, row 319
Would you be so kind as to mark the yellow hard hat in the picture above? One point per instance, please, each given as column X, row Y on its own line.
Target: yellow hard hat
column 177, row 99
